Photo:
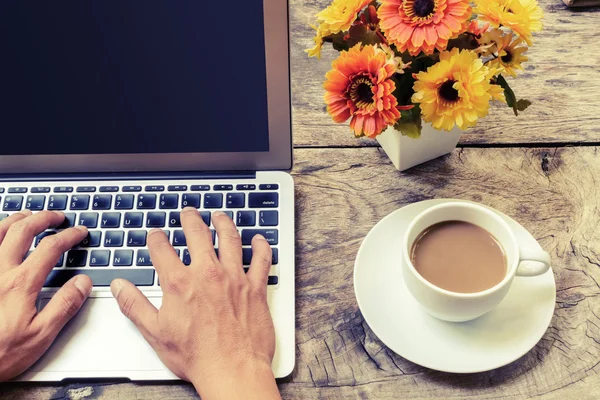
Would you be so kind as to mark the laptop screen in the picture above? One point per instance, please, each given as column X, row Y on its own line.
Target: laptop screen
column 132, row 76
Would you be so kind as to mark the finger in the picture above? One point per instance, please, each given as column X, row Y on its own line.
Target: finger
column 63, row 306
column 135, row 306
column 18, row 239
column 230, row 243
column 262, row 255
column 163, row 255
column 6, row 223
column 198, row 237
column 48, row 252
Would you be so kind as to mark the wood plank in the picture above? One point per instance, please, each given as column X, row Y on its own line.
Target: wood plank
column 562, row 79
column 341, row 194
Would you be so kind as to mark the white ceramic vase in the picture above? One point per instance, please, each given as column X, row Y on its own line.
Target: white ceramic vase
column 406, row 152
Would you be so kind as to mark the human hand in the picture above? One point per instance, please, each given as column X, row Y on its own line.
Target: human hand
column 214, row 328
column 25, row 335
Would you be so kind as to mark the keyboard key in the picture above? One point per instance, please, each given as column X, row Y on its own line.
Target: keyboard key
column 143, row 258
column 214, row 235
column 123, row 258
column 60, row 261
column 63, row 189
column 246, row 218
column 177, row 188
column 213, row 200
column 175, row 219
column 271, row 235
column 80, row 202
column 273, row 280
column 35, row 203
column 88, row 219
column 245, row 187
column 69, row 221
column 190, row 200
column 44, row 189
column 271, row 186
column 133, row 220
column 155, row 219
column 200, row 188
column 155, row 188
column 179, row 238
column 187, row 259
column 236, row 200
column 86, row 189
column 205, row 217
column 247, row 256
column 168, row 201
column 99, row 258
column 109, row 189
column 111, row 220
column 263, row 200
column 93, row 239
column 114, row 238
column 57, row 202
column 41, row 236
column 268, row 218
column 222, row 187
column 76, row 258
column 17, row 190
column 132, row 188
column 229, row 214
column 146, row 201
column 3, row 216
column 1, row 190
column 102, row 202
column 168, row 234
column 124, row 202
column 12, row 203
column 102, row 277
column 136, row 238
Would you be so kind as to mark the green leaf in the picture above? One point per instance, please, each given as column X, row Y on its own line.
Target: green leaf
column 338, row 41
column 511, row 98
column 410, row 123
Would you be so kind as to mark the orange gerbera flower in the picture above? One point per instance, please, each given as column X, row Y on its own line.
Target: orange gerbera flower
column 359, row 87
column 423, row 25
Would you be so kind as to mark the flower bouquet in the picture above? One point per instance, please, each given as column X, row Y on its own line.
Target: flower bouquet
column 404, row 63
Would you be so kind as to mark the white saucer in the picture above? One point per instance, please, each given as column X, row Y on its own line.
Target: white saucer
column 491, row 341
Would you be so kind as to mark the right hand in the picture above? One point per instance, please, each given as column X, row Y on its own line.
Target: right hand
column 214, row 328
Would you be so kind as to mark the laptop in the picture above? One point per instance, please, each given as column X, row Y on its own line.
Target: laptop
column 121, row 113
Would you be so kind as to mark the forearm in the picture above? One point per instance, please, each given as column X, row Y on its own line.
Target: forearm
column 253, row 382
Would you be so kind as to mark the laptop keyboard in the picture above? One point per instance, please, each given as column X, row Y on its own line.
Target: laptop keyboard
column 119, row 218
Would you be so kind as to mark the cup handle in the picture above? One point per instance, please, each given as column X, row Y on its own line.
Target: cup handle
column 541, row 265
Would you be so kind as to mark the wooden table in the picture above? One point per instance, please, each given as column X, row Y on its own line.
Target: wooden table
column 542, row 168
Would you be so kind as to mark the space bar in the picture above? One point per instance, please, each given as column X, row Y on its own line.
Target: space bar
column 139, row 277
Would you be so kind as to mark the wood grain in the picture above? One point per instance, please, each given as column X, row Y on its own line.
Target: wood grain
column 562, row 79
column 342, row 193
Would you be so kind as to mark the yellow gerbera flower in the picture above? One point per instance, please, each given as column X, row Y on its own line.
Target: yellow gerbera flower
column 456, row 91
column 508, row 52
column 522, row 16
column 338, row 17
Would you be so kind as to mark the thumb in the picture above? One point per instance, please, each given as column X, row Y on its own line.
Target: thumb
column 65, row 304
column 135, row 306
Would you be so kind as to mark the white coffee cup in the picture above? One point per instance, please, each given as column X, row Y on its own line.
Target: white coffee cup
column 459, row 307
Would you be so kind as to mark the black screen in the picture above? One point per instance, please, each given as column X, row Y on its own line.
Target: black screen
column 132, row 76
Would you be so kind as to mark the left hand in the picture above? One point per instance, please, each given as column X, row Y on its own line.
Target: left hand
column 25, row 335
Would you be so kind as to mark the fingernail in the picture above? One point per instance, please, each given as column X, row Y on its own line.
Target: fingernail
column 82, row 287
column 115, row 288
column 27, row 213
column 258, row 236
column 62, row 214
column 81, row 228
column 218, row 214
column 189, row 209
column 155, row 230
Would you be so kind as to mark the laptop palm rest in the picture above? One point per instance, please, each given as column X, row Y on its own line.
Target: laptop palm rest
column 100, row 342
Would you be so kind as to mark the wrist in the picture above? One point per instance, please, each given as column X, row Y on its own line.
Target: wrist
column 247, row 379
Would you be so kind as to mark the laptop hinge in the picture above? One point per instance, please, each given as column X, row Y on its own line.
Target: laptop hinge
column 128, row 176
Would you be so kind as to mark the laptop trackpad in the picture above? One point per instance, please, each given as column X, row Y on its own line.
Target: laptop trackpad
column 101, row 342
